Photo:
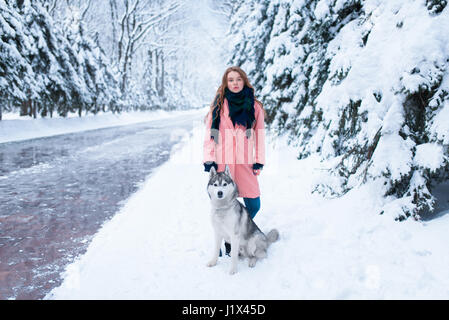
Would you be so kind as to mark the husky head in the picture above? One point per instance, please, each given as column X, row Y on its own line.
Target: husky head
column 221, row 187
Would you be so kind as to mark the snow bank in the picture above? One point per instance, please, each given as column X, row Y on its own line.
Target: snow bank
column 14, row 128
column 158, row 245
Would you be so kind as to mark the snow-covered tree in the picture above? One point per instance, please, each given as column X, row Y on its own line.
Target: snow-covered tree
column 17, row 79
column 251, row 26
column 52, row 77
column 365, row 85
column 49, row 66
column 99, row 84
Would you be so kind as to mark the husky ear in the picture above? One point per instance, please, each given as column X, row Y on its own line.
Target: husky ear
column 227, row 171
column 213, row 172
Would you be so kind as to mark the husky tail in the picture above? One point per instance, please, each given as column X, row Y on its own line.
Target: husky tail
column 273, row 236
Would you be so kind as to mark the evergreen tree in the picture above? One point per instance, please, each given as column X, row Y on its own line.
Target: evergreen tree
column 250, row 31
column 328, row 85
column 43, row 69
column 107, row 94
column 17, row 79
column 100, row 86
column 43, row 59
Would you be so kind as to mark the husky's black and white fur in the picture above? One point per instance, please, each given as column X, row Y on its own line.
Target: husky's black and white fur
column 232, row 222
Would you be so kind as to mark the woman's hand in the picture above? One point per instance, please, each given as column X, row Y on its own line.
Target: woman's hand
column 257, row 167
column 209, row 164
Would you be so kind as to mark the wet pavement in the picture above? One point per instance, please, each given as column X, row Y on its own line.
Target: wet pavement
column 56, row 192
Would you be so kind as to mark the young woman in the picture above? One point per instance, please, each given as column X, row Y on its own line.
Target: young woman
column 235, row 136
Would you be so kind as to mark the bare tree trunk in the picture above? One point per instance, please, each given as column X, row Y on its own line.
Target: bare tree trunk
column 154, row 62
column 114, row 19
column 85, row 10
column 122, row 33
column 150, row 68
column 34, row 109
column 183, row 69
column 25, row 108
column 157, row 73
column 124, row 78
column 162, row 92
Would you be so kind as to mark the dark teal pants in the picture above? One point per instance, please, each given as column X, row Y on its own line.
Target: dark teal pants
column 253, row 205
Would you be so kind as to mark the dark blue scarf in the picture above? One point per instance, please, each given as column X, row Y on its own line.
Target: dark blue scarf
column 241, row 108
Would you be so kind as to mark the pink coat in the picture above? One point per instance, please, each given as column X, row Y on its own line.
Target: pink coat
column 236, row 150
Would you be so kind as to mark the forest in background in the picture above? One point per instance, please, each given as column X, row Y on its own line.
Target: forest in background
column 85, row 56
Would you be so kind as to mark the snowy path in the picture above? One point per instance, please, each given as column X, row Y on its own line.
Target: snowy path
column 57, row 191
column 158, row 245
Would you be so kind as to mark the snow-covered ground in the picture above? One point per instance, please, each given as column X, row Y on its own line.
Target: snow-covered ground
column 158, row 245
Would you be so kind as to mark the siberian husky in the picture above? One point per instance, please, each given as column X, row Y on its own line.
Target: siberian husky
column 232, row 222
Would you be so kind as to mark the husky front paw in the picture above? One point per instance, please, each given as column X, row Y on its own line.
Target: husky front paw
column 252, row 262
column 212, row 263
column 233, row 271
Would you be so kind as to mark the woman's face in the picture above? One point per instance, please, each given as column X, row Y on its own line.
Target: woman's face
column 235, row 82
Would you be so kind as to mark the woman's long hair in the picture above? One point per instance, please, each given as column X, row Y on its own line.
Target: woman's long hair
column 219, row 96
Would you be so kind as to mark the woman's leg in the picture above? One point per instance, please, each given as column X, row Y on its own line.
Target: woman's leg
column 253, row 205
